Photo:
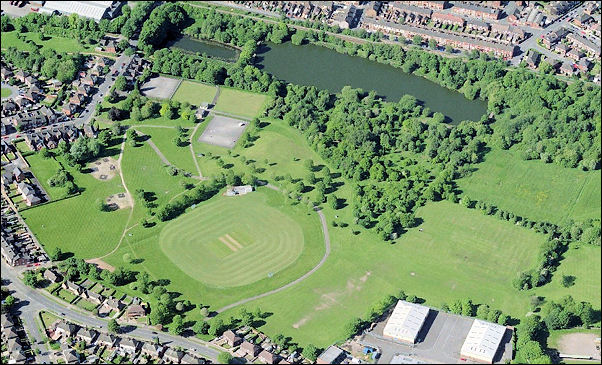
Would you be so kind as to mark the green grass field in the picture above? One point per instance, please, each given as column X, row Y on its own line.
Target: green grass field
column 6, row 92
column 59, row 44
column 194, row 92
column 143, row 169
column 240, row 102
column 75, row 224
column 144, row 244
column 583, row 262
column 232, row 241
column 163, row 139
column 44, row 169
column 533, row 189
column 460, row 253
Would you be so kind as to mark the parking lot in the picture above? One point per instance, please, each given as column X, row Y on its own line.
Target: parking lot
column 439, row 341
column 223, row 131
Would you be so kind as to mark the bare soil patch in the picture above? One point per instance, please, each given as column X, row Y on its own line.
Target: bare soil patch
column 101, row 264
column 579, row 344
column 118, row 201
column 104, row 168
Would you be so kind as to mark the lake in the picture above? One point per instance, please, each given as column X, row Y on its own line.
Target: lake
column 327, row 69
column 211, row 49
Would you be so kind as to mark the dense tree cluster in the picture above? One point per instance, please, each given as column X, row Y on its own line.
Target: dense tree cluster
column 164, row 22
column 49, row 63
column 376, row 144
column 83, row 150
column 72, row 26
column 178, row 63
column 200, row 193
column 225, row 28
column 136, row 18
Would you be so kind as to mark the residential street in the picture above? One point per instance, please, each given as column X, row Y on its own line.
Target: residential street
column 35, row 301
column 87, row 114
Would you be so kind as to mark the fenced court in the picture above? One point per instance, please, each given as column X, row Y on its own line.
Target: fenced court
column 223, row 131
column 195, row 93
column 160, row 87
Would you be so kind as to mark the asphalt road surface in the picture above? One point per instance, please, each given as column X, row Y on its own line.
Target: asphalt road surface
column 35, row 301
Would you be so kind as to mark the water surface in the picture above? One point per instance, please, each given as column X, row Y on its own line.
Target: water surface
column 327, row 69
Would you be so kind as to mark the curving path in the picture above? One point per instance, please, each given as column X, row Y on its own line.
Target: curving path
column 98, row 260
column 300, row 279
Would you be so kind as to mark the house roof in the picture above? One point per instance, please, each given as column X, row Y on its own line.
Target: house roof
column 330, row 355
column 87, row 333
column 106, row 339
column 267, row 356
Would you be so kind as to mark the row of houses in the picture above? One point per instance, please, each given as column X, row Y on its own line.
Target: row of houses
column 50, row 138
column 411, row 14
column 18, row 246
column 30, row 119
column 132, row 348
column 257, row 347
column 13, row 338
column 14, row 173
column 294, row 9
column 442, row 38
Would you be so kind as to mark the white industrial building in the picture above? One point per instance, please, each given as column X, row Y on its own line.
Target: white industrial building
column 482, row 341
column 406, row 321
column 89, row 9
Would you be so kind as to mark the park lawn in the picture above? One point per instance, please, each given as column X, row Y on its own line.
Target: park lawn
column 233, row 241
column 6, row 92
column 583, row 262
column 143, row 169
column 362, row 269
column 238, row 102
column 59, row 44
column 44, row 169
column 163, row 139
column 144, row 245
column 284, row 148
column 194, row 92
column 533, row 189
column 76, row 224
column 460, row 253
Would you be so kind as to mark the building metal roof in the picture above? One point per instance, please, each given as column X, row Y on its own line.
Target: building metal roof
column 89, row 9
column 483, row 340
column 406, row 321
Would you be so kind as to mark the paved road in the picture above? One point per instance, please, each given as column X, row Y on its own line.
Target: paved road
column 38, row 301
column 104, row 88
column 296, row 281
column 537, row 33
column 89, row 110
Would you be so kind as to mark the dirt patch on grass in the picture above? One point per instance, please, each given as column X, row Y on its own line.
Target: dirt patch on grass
column 327, row 300
column 582, row 344
column 104, row 169
column 118, row 201
column 101, row 264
